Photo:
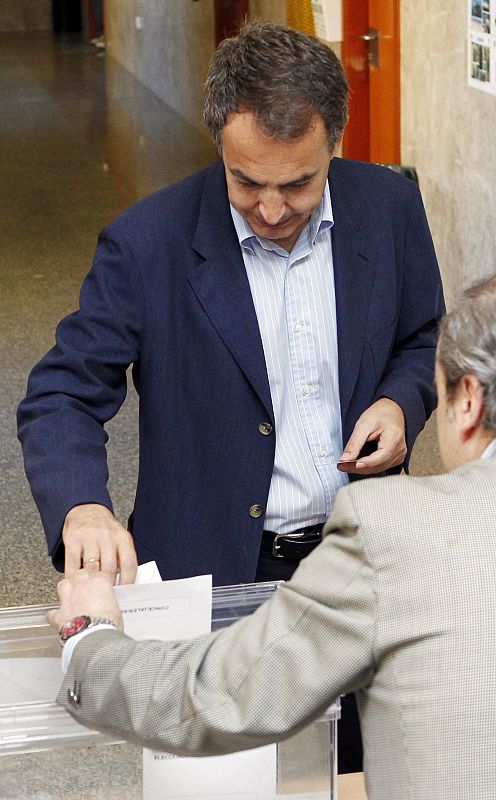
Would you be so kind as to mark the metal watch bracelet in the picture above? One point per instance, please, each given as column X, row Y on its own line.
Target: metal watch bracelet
column 81, row 623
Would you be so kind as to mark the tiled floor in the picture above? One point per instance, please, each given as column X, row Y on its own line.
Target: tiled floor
column 80, row 139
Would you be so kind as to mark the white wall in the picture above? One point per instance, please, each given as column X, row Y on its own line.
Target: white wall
column 449, row 134
column 170, row 53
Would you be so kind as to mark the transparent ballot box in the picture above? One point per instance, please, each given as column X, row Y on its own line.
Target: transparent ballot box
column 46, row 755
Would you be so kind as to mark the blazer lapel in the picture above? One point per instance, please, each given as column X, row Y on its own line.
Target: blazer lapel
column 354, row 266
column 221, row 284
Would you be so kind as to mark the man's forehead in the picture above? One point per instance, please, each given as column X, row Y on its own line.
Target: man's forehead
column 242, row 130
column 300, row 176
column 248, row 117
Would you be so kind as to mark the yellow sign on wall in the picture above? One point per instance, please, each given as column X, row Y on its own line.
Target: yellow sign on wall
column 300, row 16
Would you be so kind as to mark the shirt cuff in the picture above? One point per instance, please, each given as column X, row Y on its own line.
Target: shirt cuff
column 71, row 643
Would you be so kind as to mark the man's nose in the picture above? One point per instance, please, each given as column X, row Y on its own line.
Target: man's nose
column 271, row 207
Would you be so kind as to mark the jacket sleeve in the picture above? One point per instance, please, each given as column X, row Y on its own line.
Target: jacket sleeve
column 258, row 681
column 77, row 387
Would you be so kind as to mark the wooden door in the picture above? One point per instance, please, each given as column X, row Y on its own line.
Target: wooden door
column 371, row 57
column 229, row 16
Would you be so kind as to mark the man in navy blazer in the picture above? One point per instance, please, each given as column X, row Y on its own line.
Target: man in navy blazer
column 170, row 294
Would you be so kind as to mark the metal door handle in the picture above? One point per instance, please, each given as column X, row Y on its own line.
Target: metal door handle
column 373, row 39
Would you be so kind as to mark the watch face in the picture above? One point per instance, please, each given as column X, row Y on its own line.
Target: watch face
column 74, row 626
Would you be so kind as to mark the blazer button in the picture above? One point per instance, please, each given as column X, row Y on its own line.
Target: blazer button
column 265, row 428
column 256, row 511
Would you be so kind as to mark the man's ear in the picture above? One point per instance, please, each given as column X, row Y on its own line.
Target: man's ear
column 470, row 405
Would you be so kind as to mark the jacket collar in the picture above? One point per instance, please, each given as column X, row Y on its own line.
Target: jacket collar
column 353, row 253
column 221, row 284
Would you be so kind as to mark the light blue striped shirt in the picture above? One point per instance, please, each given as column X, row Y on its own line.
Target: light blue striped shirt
column 294, row 300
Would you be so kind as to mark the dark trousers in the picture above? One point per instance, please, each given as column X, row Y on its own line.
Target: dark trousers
column 350, row 755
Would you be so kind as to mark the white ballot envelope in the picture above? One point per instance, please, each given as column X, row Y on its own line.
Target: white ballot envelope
column 167, row 610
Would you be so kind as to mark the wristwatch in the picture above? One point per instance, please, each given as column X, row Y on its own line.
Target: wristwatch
column 81, row 623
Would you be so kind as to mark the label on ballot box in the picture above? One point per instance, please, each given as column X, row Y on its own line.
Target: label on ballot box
column 250, row 775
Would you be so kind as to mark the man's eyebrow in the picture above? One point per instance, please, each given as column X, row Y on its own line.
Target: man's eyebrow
column 239, row 174
column 307, row 176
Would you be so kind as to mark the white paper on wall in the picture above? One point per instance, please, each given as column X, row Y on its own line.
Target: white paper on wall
column 482, row 45
column 328, row 19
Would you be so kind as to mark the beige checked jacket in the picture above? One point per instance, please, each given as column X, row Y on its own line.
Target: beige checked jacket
column 398, row 602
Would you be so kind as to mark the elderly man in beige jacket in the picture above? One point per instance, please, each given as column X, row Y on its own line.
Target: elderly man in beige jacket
column 398, row 604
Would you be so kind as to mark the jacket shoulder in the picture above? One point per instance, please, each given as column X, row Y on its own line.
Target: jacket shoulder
column 374, row 179
column 404, row 505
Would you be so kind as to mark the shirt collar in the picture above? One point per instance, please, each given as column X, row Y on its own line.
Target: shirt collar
column 490, row 451
column 321, row 219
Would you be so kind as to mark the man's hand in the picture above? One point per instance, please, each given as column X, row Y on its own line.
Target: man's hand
column 384, row 423
column 86, row 592
column 94, row 539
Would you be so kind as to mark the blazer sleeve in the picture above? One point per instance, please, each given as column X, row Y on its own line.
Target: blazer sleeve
column 80, row 385
column 409, row 373
column 258, row 681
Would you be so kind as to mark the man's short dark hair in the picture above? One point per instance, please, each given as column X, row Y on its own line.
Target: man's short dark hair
column 283, row 77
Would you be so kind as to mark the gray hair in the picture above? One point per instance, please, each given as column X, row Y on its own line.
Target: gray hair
column 467, row 343
column 283, row 77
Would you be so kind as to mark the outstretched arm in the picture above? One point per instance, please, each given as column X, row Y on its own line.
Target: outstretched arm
column 259, row 680
column 74, row 390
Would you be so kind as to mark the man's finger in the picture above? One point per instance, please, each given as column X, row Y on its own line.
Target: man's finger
column 355, row 442
column 378, row 461
column 128, row 563
column 92, row 562
column 347, row 465
column 52, row 618
column 108, row 555
column 73, row 557
column 369, row 465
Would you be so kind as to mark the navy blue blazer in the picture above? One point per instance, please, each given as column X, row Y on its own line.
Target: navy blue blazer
column 168, row 293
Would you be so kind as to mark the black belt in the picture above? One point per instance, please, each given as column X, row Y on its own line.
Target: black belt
column 293, row 546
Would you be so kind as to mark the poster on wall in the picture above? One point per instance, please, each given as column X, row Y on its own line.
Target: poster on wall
column 482, row 45
column 327, row 19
